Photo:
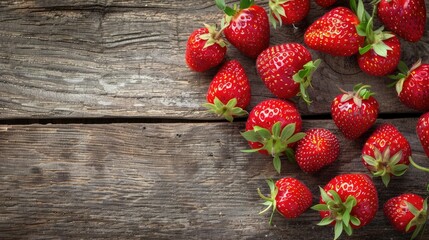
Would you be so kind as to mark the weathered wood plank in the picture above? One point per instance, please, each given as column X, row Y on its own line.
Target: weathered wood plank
column 126, row 58
column 163, row 181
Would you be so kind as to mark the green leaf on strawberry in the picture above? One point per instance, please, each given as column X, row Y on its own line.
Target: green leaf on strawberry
column 274, row 141
column 340, row 212
column 228, row 111
column 304, row 76
column 383, row 165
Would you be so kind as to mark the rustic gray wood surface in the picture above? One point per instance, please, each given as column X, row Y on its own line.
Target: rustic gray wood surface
column 164, row 181
column 102, row 133
column 126, row 58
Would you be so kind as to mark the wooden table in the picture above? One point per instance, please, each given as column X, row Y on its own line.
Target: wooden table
column 102, row 133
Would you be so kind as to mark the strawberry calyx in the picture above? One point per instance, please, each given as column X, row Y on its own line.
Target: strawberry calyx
column 403, row 74
column 362, row 15
column 360, row 92
column 384, row 165
column 228, row 110
column 213, row 36
column 276, row 10
column 231, row 12
column 374, row 39
column 339, row 212
column 304, row 76
column 419, row 220
column 270, row 201
column 275, row 141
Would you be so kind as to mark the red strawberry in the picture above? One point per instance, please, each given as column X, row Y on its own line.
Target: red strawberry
column 335, row 32
column 229, row 91
column 413, row 86
column 273, row 126
column 381, row 55
column 407, row 212
column 289, row 196
column 317, row 149
column 325, row 3
column 348, row 201
column 205, row 49
column 286, row 70
column 288, row 11
column 386, row 153
column 247, row 28
column 422, row 130
column 405, row 18
column 355, row 112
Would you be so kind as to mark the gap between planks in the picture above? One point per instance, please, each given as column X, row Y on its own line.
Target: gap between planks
column 112, row 120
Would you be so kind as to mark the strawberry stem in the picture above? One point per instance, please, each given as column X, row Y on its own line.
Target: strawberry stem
column 418, row 166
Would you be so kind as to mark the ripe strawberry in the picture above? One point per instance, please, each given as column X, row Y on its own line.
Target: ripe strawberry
column 286, row 70
column 355, row 112
column 386, row 153
column 336, row 33
column 325, row 3
column 407, row 212
column 412, row 85
column 272, row 127
column 288, row 11
column 348, row 201
column 289, row 196
column 229, row 91
column 382, row 53
column 247, row 28
column 317, row 149
column 405, row 18
column 205, row 49
column 422, row 130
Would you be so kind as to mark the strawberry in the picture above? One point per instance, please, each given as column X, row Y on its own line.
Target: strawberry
column 355, row 112
column 286, row 70
column 422, row 130
column 336, row 33
column 405, row 18
column 247, row 28
column 289, row 196
column 407, row 212
column 229, row 91
column 348, row 201
column 205, row 49
column 325, row 3
column 272, row 127
column 288, row 11
column 386, row 153
column 319, row 148
column 412, row 85
column 380, row 62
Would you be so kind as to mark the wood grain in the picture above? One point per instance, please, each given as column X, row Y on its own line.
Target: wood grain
column 105, row 58
column 164, row 181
